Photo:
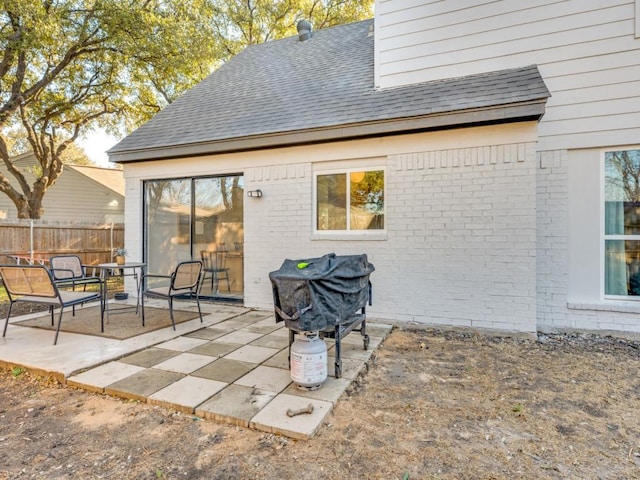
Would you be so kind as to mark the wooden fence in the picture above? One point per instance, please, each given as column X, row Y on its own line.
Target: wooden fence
column 34, row 240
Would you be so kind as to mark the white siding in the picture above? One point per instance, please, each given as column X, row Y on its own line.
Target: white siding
column 75, row 198
column 586, row 50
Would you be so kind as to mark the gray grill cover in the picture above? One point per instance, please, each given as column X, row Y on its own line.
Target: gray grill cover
column 326, row 293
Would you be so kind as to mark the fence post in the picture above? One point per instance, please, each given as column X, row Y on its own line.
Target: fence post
column 31, row 242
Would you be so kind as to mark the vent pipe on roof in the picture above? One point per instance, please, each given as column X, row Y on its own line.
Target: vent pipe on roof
column 304, row 30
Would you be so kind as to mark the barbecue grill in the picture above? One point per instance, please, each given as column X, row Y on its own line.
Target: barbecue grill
column 327, row 295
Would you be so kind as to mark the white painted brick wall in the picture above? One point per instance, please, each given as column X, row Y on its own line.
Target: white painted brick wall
column 552, row 238
column 132, row 230
column 278, row 225
column 461, row 239
column 460, row 247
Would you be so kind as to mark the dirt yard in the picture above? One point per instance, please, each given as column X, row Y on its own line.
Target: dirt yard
column 434, row 404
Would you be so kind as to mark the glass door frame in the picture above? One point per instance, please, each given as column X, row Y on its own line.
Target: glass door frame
column 194, row 255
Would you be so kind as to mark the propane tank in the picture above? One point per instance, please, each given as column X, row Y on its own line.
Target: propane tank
column 308, row 361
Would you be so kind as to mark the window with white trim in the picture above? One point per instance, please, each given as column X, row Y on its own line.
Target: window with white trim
column 622, row 223
column 349, row 200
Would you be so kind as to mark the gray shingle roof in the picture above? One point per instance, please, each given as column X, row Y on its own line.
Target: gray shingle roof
column 288, row 91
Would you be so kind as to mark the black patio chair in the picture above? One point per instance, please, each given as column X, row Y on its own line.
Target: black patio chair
column 214, row 267
column 35, row 284
column 183, row 282
column 68, row 271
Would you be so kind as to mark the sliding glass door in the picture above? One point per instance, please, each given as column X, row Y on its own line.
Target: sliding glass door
column 197, row 218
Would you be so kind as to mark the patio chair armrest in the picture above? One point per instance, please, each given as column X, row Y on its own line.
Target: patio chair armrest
column 54, row 270
column 145, row 276
column 156, row 275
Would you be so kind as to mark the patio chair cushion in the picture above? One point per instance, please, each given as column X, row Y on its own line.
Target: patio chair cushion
column 167, row 291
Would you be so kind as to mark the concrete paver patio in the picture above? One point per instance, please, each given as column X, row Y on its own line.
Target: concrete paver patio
column 232, row 368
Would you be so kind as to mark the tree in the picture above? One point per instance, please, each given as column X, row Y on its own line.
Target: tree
column 238, row 24
column 67, row 65
column 70, row 65
column 622, row 175
column 75, row 155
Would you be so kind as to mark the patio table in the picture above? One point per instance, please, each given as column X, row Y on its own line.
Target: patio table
column 106, row 272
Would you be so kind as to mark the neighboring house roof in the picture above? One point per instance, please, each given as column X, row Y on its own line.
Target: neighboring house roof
column 288, row 92
column 110, row 178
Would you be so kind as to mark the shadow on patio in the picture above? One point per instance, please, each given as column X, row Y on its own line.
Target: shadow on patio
column 232, row 368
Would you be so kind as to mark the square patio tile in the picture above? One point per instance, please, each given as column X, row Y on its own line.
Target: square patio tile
column 182, row 344
column 142, row 384
column 187, row 393
column 240, row 336
column 350, row 368
column 215, row 348
column 263, row 329
column 330, row 391
column 252, row 354
column 224, row 370
column 273, row 417
column 98, row 378
column 185, row 363
column 235, row 404
column 150, row 357
column 209, row 333
column 354, row 352
column 279, row 360
column 378, row 329
column 266, row 378
column 231, row 325
column 271, row 341
column 253, row 317
column 375, row 341
column 269, row 320
column 281, row 332
column 353, row 338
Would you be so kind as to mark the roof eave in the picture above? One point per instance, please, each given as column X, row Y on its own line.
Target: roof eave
column 514, row 112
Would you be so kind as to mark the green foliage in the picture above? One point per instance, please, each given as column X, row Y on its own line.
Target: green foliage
column 75, row 155
column 72, row 65
column 367, row 190
column 238, row 24
column 16, row 372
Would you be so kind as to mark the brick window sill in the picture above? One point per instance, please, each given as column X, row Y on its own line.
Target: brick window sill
column 607, row 306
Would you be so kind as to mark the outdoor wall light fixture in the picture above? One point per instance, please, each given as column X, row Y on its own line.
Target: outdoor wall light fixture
column 254, row 193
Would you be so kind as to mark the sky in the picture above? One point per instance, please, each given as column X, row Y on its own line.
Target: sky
column 95, row 144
